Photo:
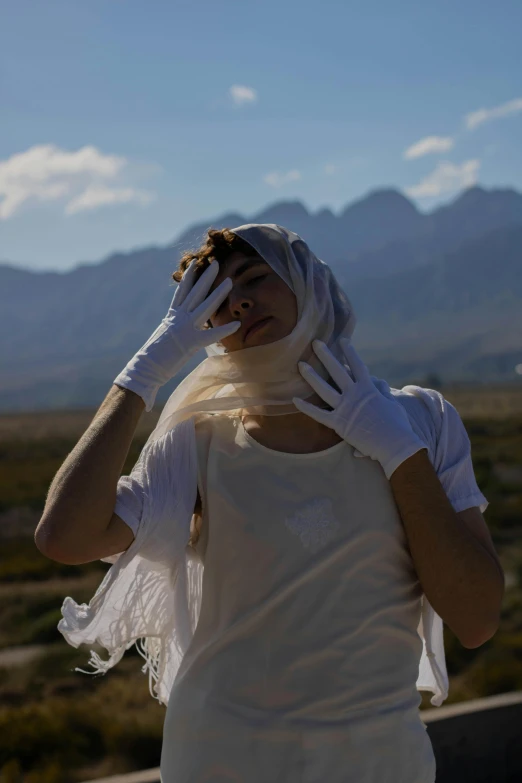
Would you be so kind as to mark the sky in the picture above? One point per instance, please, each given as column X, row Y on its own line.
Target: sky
column 122, row 122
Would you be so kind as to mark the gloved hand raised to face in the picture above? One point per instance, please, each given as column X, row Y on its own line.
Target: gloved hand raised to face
column 179, row 336
column 377, row 426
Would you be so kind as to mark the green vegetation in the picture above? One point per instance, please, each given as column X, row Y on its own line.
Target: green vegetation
column 21, row 561
column 27, row 468
column 61, row 726
column 75, row 726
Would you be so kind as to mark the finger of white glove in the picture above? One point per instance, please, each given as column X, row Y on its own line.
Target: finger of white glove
column 220, row 332
column 208, row 307
column 357, row 366
column 184, row 286
column 339, row 374
column 318, row 384
column 200, row 289
column 313, row 411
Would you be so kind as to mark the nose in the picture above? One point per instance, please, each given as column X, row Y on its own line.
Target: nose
column 239, row 303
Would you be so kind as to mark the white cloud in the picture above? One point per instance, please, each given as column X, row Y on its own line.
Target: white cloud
column 445, row 178
column 241, row 94
column 47, row 173
column 277, row 180
column 428, row 146
column 330, row 169
column 476, row 118
column 100, row 195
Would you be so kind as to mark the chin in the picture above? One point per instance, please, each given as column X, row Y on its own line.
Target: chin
column 265, row 336
column 262, row 339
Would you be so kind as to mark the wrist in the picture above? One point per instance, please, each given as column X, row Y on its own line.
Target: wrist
column 403, row 452
column 146, row 391
column 144, row 376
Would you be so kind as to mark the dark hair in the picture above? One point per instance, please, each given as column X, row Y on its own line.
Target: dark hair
column 218, row 246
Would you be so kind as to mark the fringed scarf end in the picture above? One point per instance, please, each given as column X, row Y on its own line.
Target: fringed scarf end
column 149, row 647
column 99, row 665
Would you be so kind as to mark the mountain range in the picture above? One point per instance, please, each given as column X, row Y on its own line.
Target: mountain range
column 435, row 293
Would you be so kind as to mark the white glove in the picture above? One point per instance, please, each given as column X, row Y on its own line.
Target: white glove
column 375, row 425
column 179, row 335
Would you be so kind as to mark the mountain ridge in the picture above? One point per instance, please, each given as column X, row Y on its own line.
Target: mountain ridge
column 388, row 197
column 71, row 332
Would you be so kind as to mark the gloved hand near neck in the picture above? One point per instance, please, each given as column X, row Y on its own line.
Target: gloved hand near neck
column 179, row 336
column 378, row 427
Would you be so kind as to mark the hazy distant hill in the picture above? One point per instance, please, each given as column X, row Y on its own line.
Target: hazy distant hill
column 433, row 292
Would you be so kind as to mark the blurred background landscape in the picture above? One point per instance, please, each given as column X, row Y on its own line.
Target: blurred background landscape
column 386, row 135
column 436, row 293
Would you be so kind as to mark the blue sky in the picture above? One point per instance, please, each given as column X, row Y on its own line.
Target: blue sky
column 123, row 121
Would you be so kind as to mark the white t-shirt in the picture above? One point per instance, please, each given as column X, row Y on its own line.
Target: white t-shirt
column 152, row 594
column 432, row 417
column 307, row 648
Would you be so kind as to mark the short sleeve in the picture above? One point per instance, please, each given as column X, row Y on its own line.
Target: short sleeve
column 130, row 496
column 450, row 450
column 153, row 482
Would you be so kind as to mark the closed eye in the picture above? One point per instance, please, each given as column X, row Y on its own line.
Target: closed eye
column 254, row 279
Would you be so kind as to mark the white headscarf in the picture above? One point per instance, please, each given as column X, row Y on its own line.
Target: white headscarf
column 263, row 379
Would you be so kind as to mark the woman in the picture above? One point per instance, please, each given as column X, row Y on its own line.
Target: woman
column 302, row 663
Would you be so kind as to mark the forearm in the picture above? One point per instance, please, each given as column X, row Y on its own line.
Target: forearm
column 459, row 576
column 81, row 498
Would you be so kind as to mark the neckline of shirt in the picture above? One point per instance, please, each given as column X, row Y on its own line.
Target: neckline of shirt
column 287, row 454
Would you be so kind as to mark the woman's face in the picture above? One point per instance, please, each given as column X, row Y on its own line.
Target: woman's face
column 257, row 292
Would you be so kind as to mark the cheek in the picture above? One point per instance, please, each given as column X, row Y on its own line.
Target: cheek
column 292, row 307
column 218, row 319
column 286, row 303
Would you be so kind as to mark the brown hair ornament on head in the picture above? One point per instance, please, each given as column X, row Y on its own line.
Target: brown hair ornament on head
column 219, row 245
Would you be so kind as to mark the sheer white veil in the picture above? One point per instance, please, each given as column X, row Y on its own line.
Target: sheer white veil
column 262, row 379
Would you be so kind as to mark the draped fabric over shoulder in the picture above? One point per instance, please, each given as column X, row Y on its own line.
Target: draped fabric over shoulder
column 151, row 595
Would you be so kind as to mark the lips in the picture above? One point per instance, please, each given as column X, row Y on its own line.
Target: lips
column 254, row 326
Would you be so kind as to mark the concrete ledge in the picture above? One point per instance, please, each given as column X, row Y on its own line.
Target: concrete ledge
column 475, row 705
column 145, row 776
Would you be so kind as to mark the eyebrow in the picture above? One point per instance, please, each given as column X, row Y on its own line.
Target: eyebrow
column 248, row 265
